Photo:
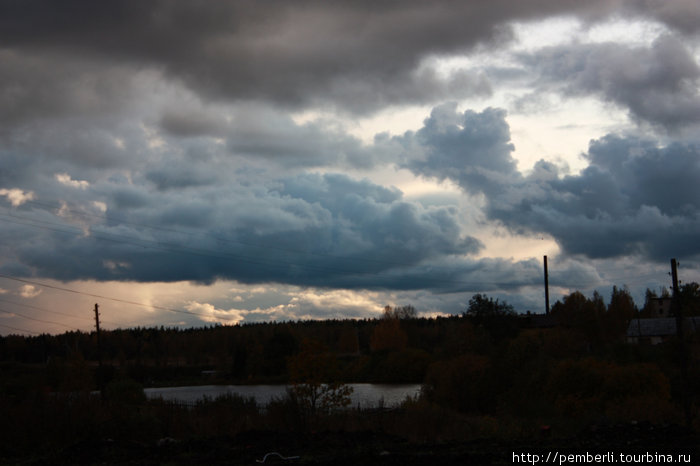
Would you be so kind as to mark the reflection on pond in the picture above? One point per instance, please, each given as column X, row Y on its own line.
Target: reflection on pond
column 364, row 395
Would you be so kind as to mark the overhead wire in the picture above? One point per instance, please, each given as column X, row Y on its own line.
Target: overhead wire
column 5, row 311
column 23, row 330
column 52, row 311
column 109, row 298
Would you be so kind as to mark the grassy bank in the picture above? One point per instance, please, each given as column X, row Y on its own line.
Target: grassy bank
column 128, row 429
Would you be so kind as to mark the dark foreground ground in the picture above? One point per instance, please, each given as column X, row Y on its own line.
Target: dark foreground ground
column 643, row 441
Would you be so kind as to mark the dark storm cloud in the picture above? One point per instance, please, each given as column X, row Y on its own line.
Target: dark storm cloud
column 87, row 148
column 351, row 54
column 658, row 84
column 35, row 87
column 272, row 135
column 79, row 56
column 322, row 230
column 192, row 122
column 359, row 95
column 179, row 176
column 634, row 197
column 682, row 15
column 263, row 133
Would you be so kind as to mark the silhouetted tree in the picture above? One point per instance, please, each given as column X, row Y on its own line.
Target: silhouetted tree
column 621, row 311
column 690, row 299
column 314, row 374
column 498, row 318
column 277, row 349
column 388, row 335
column 400, row 312
column 578, row 313
column 240, row 358
column 481, row 306
column 348, row 340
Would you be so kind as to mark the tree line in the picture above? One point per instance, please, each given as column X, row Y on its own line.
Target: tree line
column 489, row 363
column 398, row 347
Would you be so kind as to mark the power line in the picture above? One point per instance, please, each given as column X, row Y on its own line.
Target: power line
column 21, row 329
column 37, row 320
column 69, row 290
column 43, row 309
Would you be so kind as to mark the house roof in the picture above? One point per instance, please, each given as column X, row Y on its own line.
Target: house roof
column 659, row 327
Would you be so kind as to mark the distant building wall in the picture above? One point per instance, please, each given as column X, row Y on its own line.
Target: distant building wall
column 660, row 307
column 656, row 330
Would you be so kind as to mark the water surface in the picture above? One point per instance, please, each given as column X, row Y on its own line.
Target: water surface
column 364, row 395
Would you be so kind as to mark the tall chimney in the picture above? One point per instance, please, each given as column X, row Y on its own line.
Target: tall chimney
column 546, row 287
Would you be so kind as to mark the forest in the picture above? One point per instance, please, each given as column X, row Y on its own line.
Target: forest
column 487, row 373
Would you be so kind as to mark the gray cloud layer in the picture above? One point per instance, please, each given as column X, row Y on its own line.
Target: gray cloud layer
column 176, row 219
column 658, row 84
column 157, row 139
column 355, row 56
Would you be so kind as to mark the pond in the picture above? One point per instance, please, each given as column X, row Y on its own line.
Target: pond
column 364, row 395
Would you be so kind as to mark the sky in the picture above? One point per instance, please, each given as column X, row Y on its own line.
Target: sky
column 186, row 163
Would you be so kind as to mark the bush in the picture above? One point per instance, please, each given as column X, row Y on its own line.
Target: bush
column 125, row 392
column 462, row 383
column 591, row 389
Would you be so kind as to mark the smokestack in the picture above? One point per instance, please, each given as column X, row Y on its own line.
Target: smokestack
column 546, row 287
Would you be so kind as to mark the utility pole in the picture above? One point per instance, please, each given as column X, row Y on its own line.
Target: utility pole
column 682, row 351
column 675, row 302
column 546, row 287
column 99, row 351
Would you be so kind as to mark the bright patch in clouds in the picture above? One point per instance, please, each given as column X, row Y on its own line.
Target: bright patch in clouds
column 66, row 180
column 17, row 197
column 208, row 313
column 314, row 304
column 625, row 31
column 29, row 291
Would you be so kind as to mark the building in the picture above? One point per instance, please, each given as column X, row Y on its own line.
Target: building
column 655, row 330
column 660, row 307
